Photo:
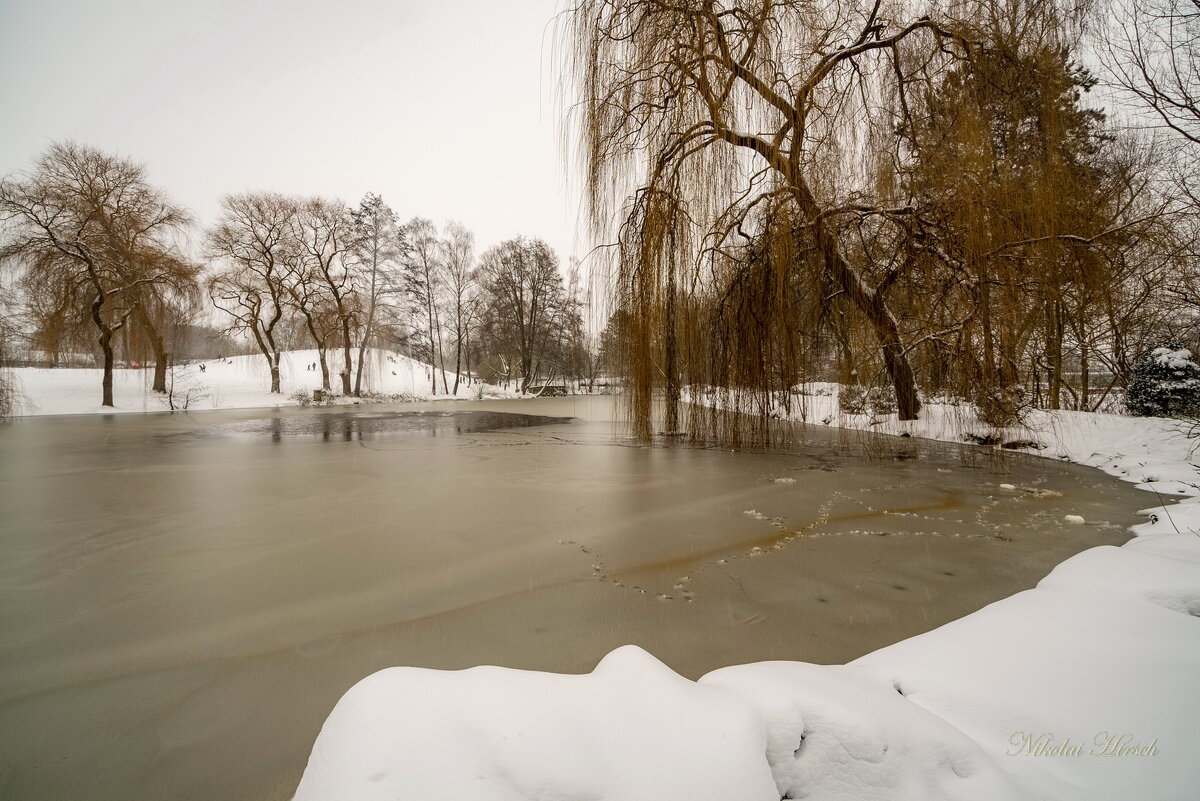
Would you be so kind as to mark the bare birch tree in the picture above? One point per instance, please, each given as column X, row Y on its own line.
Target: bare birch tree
column 458, row 278
column 380, row 243
column 423, row 281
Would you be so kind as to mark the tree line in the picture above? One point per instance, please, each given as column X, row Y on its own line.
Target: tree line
column 925, row 201
column 103, row 262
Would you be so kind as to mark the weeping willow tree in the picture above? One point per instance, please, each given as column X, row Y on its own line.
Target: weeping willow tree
column 803, row 188
column 740, row 145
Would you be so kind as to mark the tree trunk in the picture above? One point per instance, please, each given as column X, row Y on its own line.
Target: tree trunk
column 526, row 373
column 358, row 375
column 320, row 343
column 673, row 393
column 985, row 320
column 1084, row 399
column 439, row 356
column 432, row 356
column 105, row 342
column 266, row 352
column 160, row 351
column 161, row 361
column 1054, row 346
column 272, row 350
column 457, row 363
column 468, row 362
column 871, row 303
column 106, row 383
column 324, row 369
column 347, row 361
column 362, row 349
column 867, row 300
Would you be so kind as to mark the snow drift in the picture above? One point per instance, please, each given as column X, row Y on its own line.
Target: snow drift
column 630, row 730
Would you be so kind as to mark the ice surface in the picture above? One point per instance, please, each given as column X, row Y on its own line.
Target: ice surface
column 1099, row 662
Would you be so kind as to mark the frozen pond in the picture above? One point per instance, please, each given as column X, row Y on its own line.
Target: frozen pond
column 184, row 597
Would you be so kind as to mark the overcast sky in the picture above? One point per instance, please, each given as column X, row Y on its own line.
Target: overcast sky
column 447, row 109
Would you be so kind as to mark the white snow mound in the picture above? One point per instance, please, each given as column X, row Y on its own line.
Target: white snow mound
column 631, row 730
column 1107, row 645
column 835, row 733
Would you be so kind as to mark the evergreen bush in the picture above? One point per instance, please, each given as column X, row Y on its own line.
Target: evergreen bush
column 1166, row 383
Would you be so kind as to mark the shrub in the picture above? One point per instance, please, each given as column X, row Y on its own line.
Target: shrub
column 372, row 396
column 1000, row 407
column 302, row 397
column 857, row 399
column 8, row 395
column 182, row 390
column 881, row 400
column 1166, row 383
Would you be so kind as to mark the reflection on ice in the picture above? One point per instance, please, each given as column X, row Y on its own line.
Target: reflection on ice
column 348, row 426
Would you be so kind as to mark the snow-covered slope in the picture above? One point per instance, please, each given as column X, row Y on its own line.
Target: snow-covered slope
column 229, row 383
column 1086, row 688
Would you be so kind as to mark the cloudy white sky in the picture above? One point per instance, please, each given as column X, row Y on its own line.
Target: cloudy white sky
column 446, row 108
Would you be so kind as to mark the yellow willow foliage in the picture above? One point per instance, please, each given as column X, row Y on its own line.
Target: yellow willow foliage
column 874, row 193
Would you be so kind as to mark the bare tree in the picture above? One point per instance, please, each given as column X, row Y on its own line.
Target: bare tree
column 253, row 245
column 1153, row 53
column 423, row 281
column 326, row 234
column 306, row 288
column 380, row 243
column 90, row 226
column 526, row 305
column 458, row 278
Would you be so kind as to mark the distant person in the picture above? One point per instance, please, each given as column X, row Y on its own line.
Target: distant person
column 202, row 368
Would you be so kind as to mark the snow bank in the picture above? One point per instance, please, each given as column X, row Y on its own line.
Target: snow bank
column 631, row 730
column 1104, row 655
column 1085, row 688
column 236, row 382
column 837, row 733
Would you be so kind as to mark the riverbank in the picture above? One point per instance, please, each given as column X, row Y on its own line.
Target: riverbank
column 1082, row 688
column 235, row 382
column 1153, row 453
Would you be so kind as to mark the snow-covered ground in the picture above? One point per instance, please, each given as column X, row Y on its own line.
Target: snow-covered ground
column 1152, row 452
column 1086, row 687
column 230, row 383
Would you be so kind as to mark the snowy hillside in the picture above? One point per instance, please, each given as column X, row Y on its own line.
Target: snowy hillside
column 231, row 383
